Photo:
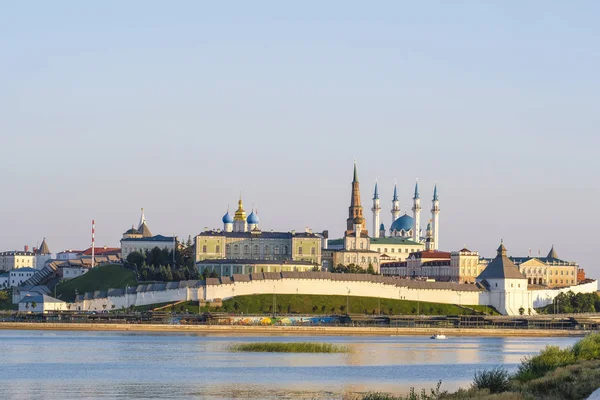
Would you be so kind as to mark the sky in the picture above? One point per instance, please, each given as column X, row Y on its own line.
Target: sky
column 177, row 107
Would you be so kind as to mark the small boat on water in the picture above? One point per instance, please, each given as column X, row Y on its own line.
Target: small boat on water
column 439, row 336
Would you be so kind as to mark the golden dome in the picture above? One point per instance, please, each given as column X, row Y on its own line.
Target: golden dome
column 240, row 214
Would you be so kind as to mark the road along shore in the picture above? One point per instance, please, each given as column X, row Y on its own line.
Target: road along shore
column 287, row 330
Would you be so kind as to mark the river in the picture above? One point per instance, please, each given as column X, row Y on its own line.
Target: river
column 123, row 365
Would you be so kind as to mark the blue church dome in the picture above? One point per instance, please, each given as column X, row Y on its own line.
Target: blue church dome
column 252, row 218
column 227, row 219
column 405, row 223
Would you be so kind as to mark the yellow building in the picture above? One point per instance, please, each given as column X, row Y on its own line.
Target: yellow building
column 258, row 245
column 228, row 267
column 16, row 259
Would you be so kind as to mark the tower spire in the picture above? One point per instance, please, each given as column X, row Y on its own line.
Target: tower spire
column 355, row 211
column 395, row 211
column 376, row 209
column 416, row 209
column 435, row 216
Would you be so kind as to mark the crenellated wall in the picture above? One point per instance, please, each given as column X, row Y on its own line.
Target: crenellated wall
column 409, row 290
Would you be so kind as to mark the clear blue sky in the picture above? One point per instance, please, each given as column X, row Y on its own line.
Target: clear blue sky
column 111, row 106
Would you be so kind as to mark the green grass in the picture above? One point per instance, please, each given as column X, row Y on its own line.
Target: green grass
column 99, row 278
column 294, row 347
column 313, row 304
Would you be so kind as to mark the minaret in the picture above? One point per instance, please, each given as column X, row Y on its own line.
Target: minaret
column 435, row 216
column 429, row 241
column 376, row 210
column 416, row 209
column 395, row 206
column 355, row 210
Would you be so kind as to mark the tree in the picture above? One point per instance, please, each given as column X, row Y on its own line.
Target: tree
column 189, row 241
column 316, row 268
column 333, row 310
column 371, row 270
column 521, row 311
column 323, row 309
column 136, row 259
column 314, row 309
column 289, row 309
column 342, row 309
column 104, row 306
column 33, row 305
column 236, row 306
column 3, row 295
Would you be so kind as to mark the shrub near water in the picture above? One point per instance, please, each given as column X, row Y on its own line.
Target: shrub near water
column 296, row 347
column 495, row 380
column 588, row 348
column 548, row 360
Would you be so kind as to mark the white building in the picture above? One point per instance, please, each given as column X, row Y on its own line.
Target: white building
column 20, row 275
column 70, row 272
column 42, row 255
column 16, row 259
column 41, row 303
column 506, row 285
column 69, row 255
column 141, row 240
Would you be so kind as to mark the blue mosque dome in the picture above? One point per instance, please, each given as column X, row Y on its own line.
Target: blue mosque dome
column 252, row 218
column 405, row 223
column 227, row 219
column 382, row 227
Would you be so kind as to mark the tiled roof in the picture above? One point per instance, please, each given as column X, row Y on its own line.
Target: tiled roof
column 431, row 254
column 157, row 238
column 501, row 267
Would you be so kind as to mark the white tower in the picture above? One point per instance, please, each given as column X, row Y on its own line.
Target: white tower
column 429, row 243
column 376, row 210
column 416, row 209
column 435, row 216
column 395, row 206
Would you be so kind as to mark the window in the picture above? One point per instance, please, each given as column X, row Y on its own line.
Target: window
column 361, row 246
column 379, row 249
column 392, row 249
column 256, row 250
column 277, row 249
column 385, row 250
column 299, row 250
column 267, row 249
column 313, row 251
column 204, row 249
column 218, row 250
column 285, row 249
column 236, row 249
column 246, row 249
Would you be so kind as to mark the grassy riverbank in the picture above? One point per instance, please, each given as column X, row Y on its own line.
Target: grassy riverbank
column 100, row 278
column 294, row 347
column 315, row 304
column 559, row 374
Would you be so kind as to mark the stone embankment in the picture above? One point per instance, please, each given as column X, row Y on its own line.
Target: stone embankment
column 295, row 330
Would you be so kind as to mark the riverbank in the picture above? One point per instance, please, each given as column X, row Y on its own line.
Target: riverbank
column 287, row 330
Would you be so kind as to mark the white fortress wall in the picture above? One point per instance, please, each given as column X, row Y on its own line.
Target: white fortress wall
column 544, row 297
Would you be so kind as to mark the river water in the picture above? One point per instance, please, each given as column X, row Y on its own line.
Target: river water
column 123, row 365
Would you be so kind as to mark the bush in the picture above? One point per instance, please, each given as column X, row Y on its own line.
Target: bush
column 496, row 380
column 588, row 348
column 548, row 360
column 571, row 382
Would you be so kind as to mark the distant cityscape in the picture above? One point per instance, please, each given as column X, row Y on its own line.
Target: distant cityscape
column 241, row 247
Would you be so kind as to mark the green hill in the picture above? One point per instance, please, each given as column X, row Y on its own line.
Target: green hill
column 332, row 304
column 99, row 278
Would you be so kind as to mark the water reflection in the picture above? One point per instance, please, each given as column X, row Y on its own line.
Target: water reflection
column 93, row 365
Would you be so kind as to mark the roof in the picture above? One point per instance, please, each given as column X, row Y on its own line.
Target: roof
column 71, row 251
column 261, row 234
column 17, row 253
column 24, row 269
column 102, row 251
column 501, row 267
column 552, row 254
column 39, row 298
column 431, row 254
column 404, row 223
column 394, row 240
column 144, row 230
column 258, row 262
column 157, row 238
column 44, row 249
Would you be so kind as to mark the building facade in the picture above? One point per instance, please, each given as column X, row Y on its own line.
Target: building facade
column 141, row 240
column 229, row 267
column 16, row 259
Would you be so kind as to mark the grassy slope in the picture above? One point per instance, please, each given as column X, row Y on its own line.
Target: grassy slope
column 303, row 304
column 99, row 278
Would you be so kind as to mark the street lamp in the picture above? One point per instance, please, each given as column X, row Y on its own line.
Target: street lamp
column 274, row 301
column 127, row 296
column 348, row 301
